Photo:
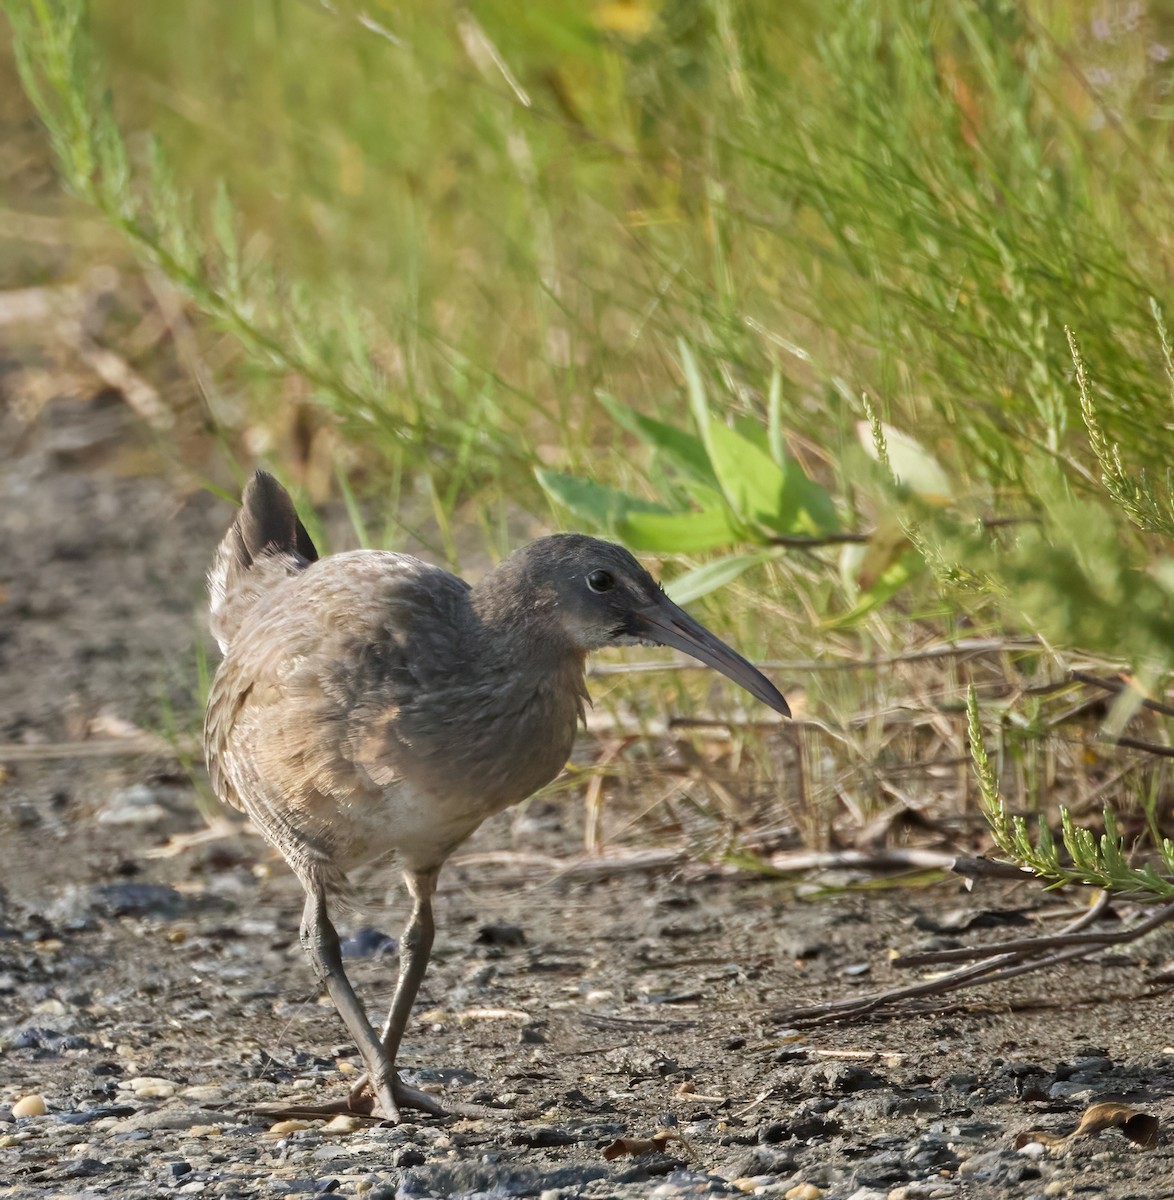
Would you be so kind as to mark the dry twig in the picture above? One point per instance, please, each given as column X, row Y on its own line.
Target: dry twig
column 999, row 962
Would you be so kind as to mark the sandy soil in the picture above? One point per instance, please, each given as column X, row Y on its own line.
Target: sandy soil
column 151, row 1001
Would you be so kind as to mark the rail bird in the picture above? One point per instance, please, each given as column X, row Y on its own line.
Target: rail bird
column 371, row 705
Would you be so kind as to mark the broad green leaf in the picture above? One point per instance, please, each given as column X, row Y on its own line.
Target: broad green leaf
column 761, row 491
column 708, row 497
column 911, row 463
column 602, row 506
column 751, row 480
column 679, row 533
column 755, row 432
column 702, row 580
column 809, row 499
column 682, row 449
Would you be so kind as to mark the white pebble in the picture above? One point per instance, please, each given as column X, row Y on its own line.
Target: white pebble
column 30, row 1106
column 280, row 1128
column 343, row 1123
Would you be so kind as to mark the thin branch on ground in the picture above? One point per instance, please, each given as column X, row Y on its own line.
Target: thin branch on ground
column 1000, row 962
column 1147, row 747
column 1121, row 685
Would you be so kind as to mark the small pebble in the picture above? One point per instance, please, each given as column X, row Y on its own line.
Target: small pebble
column 30, row 1106
column 141, row 1083
column 283, row 1127
column 343, row 1123
column 803, row 1191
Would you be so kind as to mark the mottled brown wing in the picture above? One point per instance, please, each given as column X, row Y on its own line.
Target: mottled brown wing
column 299, row 710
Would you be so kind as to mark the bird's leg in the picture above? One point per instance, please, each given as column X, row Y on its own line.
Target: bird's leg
column 415, row 949
column 320, row 942
column 414, row 953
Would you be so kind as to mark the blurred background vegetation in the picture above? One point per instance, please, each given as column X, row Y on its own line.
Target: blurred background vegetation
column 776, row 293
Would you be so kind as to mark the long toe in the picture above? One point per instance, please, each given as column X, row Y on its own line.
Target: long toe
column 364, row 1104
column 360, row 1092
column 387, row 1100
column 362, row 1101
column 384, row 1092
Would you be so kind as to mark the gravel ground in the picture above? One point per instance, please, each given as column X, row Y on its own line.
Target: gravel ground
column 151, row 1002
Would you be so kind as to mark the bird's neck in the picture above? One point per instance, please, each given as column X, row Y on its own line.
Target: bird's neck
column 517, row 622
column 517, row 697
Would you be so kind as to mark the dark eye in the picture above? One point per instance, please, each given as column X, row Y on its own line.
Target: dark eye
column 600, row 581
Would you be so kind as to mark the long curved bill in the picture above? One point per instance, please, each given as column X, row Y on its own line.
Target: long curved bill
column 669, row 625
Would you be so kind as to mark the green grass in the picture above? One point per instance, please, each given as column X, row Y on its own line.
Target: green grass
column 669, row 250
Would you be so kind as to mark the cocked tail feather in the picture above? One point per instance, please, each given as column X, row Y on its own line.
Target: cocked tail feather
column 265, row 544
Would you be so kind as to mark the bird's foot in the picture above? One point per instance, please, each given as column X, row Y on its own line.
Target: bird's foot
column 384, row 1105
column 387, row 1103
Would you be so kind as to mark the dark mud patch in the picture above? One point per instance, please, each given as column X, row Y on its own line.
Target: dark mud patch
column 152, row 1001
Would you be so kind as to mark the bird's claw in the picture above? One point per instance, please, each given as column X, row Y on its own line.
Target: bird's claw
column 364, row 1101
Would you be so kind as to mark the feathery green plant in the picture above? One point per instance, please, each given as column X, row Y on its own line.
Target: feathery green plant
column 1099, row 862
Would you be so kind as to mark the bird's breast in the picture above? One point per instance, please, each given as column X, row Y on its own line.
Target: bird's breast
column 498, row 752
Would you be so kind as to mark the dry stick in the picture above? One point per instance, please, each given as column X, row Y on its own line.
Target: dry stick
column 1148, row 747
column 1092, row 940
column 1118, row 685
column 14, row 752
column 819, row 1014
column 809, row 542
column 861, row 860
column 958, row 649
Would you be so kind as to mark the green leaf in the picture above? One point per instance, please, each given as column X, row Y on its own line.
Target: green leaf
column 682, row 449
column 909, row 461
column 679, row 533
column 701, row 581
column 811, row 501
column 751, row 480
column 601, row 506
column 762, row 492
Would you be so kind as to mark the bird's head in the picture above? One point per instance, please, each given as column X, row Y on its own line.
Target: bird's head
column 595, row 594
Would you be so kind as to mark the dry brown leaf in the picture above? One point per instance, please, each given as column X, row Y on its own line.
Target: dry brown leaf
column 650, row 1145
column 1141, row 1128
column 633, row 1147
